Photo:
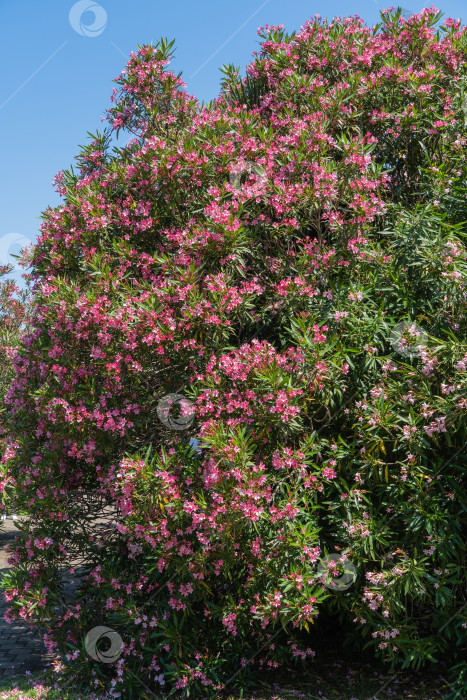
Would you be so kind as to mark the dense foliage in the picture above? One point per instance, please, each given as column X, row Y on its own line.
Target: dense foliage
column 14, row 314
column 290, row 259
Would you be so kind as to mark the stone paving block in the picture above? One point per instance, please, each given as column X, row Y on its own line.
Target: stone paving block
column 20, row 650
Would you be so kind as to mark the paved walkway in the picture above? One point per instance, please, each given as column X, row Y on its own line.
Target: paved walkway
column 20, row 650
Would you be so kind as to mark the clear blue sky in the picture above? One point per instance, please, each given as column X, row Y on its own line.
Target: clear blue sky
column 58, row 70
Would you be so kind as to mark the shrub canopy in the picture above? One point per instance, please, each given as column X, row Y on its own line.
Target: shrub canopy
column 14, row 312
column 287, row 265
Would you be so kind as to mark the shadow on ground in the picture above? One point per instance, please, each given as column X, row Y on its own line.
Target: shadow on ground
column 21, row 649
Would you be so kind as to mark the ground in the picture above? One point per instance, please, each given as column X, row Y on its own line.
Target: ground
column 332, row 677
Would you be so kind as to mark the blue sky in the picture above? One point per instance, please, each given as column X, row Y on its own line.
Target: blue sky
column 58, row 69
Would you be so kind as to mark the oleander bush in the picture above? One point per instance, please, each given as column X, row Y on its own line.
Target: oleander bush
column 14, row 314
column 249, row 345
